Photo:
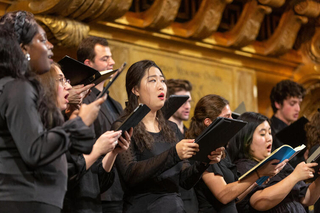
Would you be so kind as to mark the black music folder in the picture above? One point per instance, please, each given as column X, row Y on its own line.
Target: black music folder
column 216, row 135
column 314, row 158
column 79, row 73
column 106, row 88
column 172, row 104
column 134, row 118
column 294, row 134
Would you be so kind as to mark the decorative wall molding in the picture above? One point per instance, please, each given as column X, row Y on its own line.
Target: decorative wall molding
column 205, row 22
column 247, row 27
column 285, row 35
column 66, row 32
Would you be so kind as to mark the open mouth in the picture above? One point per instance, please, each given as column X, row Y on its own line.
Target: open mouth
column 269, row 147
column 161, row 96
column 66, row 97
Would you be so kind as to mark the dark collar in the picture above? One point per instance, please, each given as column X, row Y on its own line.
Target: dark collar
column 277, row 124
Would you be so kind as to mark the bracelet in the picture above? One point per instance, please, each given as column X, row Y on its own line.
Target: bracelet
column 258, row 174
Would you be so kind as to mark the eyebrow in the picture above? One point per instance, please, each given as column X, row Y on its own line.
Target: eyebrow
column 152, row 76
column 264, row 129
column 60, row 75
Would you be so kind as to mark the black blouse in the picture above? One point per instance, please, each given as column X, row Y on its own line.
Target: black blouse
column 291, row 203
column 33, row 163
column 152, row 177
column 208, row 203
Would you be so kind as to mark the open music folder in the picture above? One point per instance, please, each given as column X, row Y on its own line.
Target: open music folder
column 79, row 73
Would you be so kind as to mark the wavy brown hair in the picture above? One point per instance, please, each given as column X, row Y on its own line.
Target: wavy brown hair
column 313, row 130
column 52, row 113
column 209, row 106
column 141, row 136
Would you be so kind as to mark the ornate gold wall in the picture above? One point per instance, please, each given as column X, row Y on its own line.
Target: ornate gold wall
column 235, row 48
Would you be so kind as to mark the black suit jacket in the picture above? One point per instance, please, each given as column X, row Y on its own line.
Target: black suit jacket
column 105, row 119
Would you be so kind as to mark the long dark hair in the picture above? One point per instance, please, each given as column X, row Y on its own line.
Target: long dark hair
column 12, row 60
column 209, row 106
column 239, row 146
column 142, row 138
column 21, row 27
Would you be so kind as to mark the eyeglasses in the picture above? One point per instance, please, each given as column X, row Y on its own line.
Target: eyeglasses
column 64, row 81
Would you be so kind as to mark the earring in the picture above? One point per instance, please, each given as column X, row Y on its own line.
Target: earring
column 27, row 56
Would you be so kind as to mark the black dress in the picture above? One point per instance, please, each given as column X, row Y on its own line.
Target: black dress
column 291, row 203
column 152, row 177
column 207, row 201
column 33, row 163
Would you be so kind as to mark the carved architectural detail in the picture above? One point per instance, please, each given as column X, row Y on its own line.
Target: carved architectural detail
column 160, row 15
column 83, row 10
column 285, row 35
column 48, row 6
column 66, row 32
column 205, row 22
column 112, row 10
column 273, row 3
column 308, row 8
column 74, row 6
column 247, row 28
column 313, row 47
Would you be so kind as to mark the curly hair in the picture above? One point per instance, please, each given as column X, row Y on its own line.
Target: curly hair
column 142, row 138
column 177, row 85
column 19, row 28
column 239, row 146
column 313, row 130
column 209, row 106
column 283, row 90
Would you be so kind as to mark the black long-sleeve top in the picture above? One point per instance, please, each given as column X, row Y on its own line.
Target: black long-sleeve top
column 155, row 173
column 33, row 164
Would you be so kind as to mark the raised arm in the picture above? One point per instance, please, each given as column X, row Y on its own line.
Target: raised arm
column 269, row 197
column 38, row 146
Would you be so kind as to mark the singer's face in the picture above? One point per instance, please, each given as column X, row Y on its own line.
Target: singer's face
column 261, row 145
column 153, row 89
column 103, row 60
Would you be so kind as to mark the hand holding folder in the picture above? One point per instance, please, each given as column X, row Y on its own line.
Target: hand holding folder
column 282, row 153
column 216, row 135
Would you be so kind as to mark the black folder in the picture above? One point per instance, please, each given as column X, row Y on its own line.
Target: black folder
column 216, row 135
column 172, row 104
column 119, row 71
column 294, row 134
column 79, row 73
column 314, row 157
column 134, row 118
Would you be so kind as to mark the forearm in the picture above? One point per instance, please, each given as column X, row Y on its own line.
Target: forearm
column 92, row 157
column 312, row 194
column 271, row 196
column 246, row 192
column 108, row 161
column 228, row 192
